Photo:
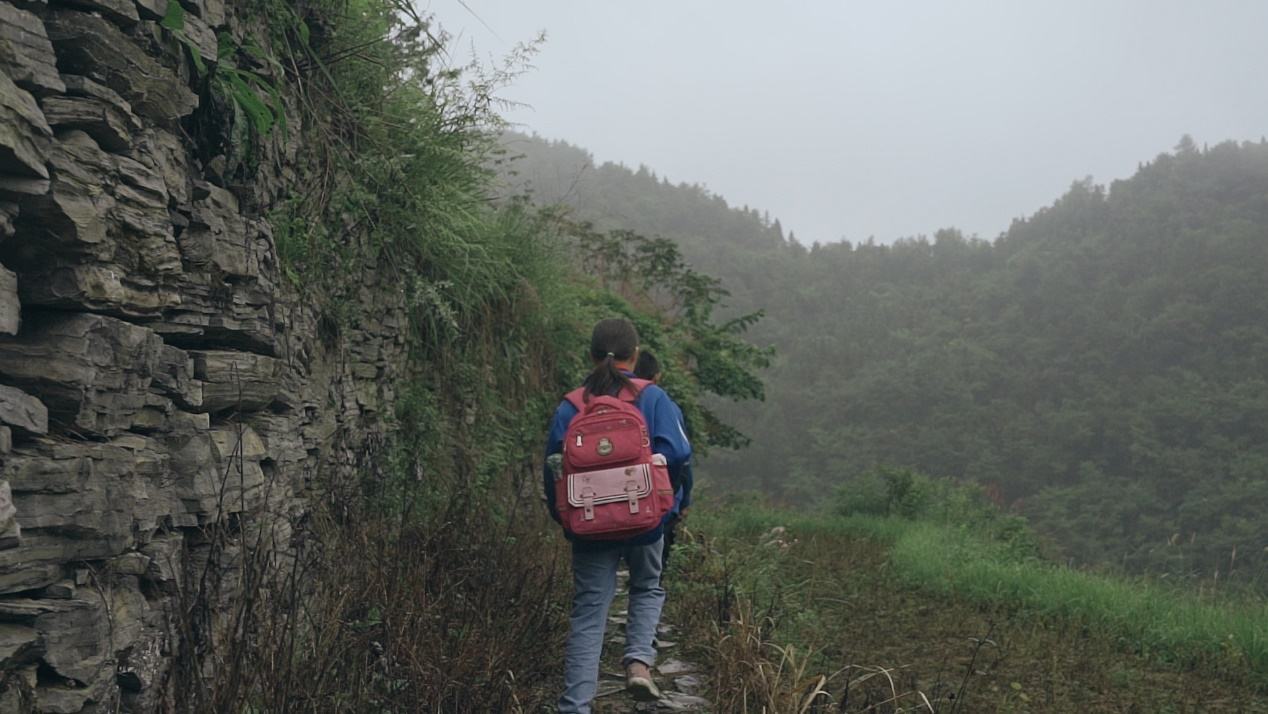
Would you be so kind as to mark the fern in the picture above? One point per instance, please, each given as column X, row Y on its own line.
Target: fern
column 241, row 87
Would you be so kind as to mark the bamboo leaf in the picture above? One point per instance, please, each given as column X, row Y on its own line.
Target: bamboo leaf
column 174, row 18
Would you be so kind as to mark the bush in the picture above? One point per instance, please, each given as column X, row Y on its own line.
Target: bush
column 889, row 491
column 865, row 495
column 909, row 495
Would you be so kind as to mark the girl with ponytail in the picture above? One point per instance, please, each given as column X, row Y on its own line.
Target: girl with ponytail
column 614, row 351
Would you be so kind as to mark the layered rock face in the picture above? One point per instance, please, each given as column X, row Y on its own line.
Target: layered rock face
column 166, row 403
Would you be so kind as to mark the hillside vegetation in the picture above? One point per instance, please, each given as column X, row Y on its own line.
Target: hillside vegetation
column 888, row 604
column 435, row 581
column 1101, row 367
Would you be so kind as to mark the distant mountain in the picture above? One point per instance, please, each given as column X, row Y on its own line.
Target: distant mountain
column 1101, row 367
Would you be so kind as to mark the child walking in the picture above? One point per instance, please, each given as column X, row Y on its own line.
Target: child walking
column 614, row 352
column 648, row 367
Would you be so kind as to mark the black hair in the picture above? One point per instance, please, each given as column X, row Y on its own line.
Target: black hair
column 613, row 340
column 647, row 366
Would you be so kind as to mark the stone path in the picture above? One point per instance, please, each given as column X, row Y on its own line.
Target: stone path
column 681, row 683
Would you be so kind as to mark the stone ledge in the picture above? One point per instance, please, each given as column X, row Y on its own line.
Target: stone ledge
column 26, row 54
column 93, row 47
column 22, row 411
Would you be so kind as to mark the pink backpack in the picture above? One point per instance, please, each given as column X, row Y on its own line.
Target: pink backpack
column 612, row 486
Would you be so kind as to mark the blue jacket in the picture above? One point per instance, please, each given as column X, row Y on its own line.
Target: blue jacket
column 669, row 439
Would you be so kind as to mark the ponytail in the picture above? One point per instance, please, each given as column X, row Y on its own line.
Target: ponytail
column 613, row 340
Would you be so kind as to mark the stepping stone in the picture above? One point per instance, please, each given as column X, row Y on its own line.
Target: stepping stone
column 675, row 666
column 688, row 684
column 679, row 702
column 663, row 629
column 662, row 644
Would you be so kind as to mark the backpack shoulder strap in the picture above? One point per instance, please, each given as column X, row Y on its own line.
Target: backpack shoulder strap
column 640, row 385
column 577, row 398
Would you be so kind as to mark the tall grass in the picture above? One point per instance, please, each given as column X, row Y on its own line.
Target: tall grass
column 448, row 615
column 749, row 608
column 746, row 518
column 430, row 584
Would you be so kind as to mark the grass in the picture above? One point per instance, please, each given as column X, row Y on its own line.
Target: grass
column 1159, row 621
column 886, row 613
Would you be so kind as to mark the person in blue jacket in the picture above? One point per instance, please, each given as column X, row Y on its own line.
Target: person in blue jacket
column 648, row 367
column 614, row 350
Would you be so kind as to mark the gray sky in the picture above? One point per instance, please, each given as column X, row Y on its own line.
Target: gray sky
column 850, row 119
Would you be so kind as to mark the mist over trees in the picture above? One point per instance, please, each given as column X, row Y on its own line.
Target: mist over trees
column 1101, row 367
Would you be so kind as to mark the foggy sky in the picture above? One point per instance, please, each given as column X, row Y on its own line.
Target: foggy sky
column 885, row 119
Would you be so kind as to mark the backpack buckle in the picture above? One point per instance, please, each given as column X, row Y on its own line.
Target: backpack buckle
column 631, row 491
column 587, row 502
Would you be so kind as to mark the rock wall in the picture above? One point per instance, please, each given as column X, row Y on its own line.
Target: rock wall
column 163, row 393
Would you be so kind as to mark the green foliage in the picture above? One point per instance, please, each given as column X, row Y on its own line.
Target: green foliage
column 673, row 307
column 896, row 493
column 1098, row 367
column 174, row 18
column 174, row 22
column 254, row 98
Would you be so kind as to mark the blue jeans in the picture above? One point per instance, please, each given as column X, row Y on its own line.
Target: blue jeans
column 594, row 585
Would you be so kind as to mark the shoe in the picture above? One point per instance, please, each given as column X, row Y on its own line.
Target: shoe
column 638, row 682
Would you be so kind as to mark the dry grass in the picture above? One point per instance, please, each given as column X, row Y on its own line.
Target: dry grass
column 743, row 631
column 754, row 674
column 378, row 609
column 445, row 617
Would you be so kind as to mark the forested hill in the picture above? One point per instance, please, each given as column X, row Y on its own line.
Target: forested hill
column 1102, row 366
column 714, row 235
